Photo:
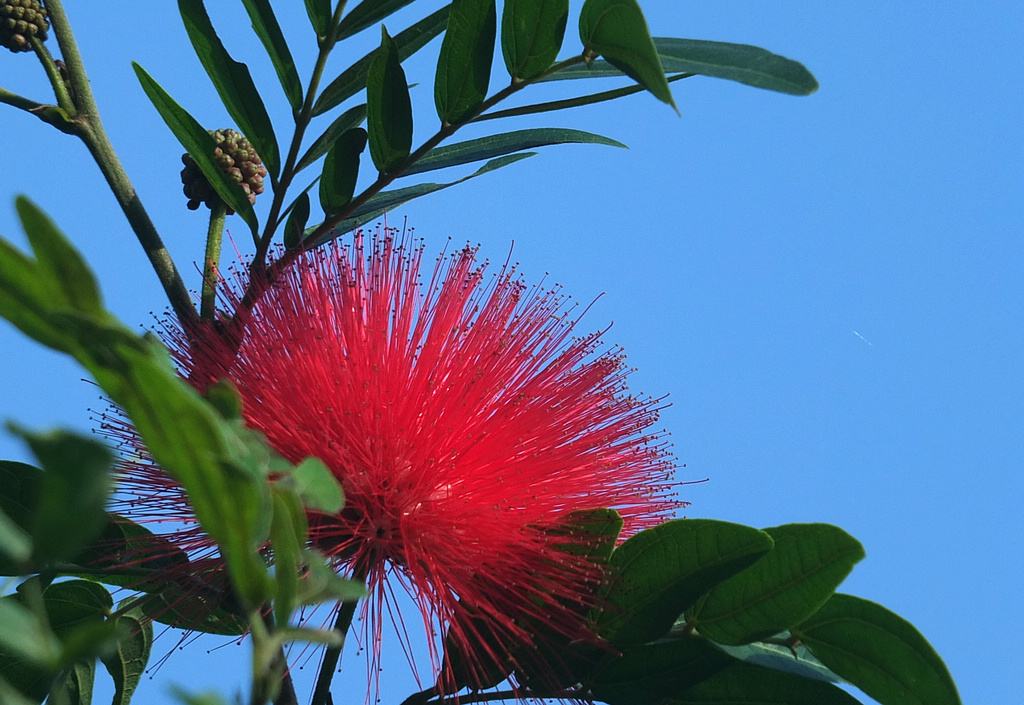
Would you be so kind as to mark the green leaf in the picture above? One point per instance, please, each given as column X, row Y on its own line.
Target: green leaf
column 660, row 572
column 353, row 79
column 590, row 533
column 23, row 636
column 617, row 30
column 567, row 103
column 22, row 291
column 74, row 686
column 319, row 12
column 386, row 200
column 341, row 169
column 208, row 612
column 233, row 82
column 199, row 144
column 806, row 565
column 744, row 63
column 796, row 659
column 72, row 492
column 464, row 67
column 743, row 684
column 653, row 672
column 322, row 584
column 297, row 219
column 506, row 143
column 318, row 487
column 366, row 14
column 9, row 695
column 72, row 604
column 287, row 542
column 59, row 263
column 15, row 544
column 265, row 24
column 353, row 117
column 531, row 35
column 879, row 652
column 388, row 109
column 131, row 556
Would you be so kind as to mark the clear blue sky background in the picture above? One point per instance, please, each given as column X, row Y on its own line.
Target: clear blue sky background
column 829, row 287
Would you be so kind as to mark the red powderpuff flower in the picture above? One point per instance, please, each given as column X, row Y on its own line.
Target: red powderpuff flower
column 461, row 418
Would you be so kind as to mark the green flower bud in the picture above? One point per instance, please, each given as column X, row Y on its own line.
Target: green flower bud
column 20, row 20
column 236, row 158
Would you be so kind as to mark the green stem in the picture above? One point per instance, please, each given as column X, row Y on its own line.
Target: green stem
column 60, row 89
column 91, row 132
column 20, row 102
column 302, row 121
column 211, row 262
column 322, row 691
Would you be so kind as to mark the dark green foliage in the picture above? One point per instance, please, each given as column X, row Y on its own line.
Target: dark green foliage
column 388, row 108
column 464, row 67
column 531, row 35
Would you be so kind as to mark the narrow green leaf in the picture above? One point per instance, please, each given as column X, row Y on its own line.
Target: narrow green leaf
column 796, row 659
column 127, row 663
column 744, row 63
column 567, row 103
column 660, row 572
column 653, row 672
column 464, row 67
column 72, row 495
column 297, row 220
column 318, row 487
column 353, row 117
column 879, row 652
column 265, row 24
column 341, row 169
column 388, row 109
column 15, row 544
column 353, row 79
column 198, row 143
column 58, row 261
column 233, row 82
column 366, row 14
column 287, row 544
column 617, row 30
column 743, row 684
column 506, row 143
column 319, row 12
column 806, row 565
column 74, row 686
column 386, row 200
column 531, row 35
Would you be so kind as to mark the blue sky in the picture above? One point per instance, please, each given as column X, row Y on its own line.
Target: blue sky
column 829, row 288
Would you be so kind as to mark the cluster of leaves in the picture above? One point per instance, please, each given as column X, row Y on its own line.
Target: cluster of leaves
column 699, row 611
column 53, row 522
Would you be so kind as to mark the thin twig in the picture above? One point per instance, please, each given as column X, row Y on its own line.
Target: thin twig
column 322, row 690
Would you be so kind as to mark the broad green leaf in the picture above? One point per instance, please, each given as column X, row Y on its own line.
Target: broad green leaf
column 506, row 143
column 318, row 487
column 386, row 200
column 796, row 659
column 531, row 35
column 485, row 666
column 265, row 24
column 388, row 109
column 464, row 67
column 72, row 604
column 24, row 636
column 287, row 544
column 22, row 287
column 651, row 673
column 322, row 584
column 803, row 569
column 567, row 103
column 74, row 685
column 63, row 268
column 72, row 495
column 617, row 30
column 744, row 63
column 130, row 556
column 9, row 695
column 224, row 396
column 743, row 684
column 319, row 12
column 233, row 82
column 366, row 14
column 353, row 79
column 191, row 611
column 15, row 545
column 353, row 117
column 341, row 169
column 297, row 219
column 199, row 144
column 589, row 533
column 660, row 572
column 879, row 652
